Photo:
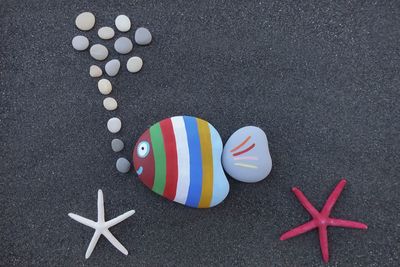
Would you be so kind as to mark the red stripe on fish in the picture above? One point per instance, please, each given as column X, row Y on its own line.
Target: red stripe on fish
column 147, row 177
column 172, row 158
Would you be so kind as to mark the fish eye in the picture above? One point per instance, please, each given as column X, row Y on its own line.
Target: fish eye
column 143, row 149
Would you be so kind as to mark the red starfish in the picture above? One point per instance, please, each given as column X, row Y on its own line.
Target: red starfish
column 321, row 220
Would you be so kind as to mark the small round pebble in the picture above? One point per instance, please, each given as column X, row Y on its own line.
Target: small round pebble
column 114, row 125
column 112, row 67
column 123, row 23
column 142, row 36
column 123, row 45
column 117, row 145
column 99, row 52
column 110, row 103
column 106, row 33
column 95, row 71
column 104, row 86
column 85, row 21
column 80, row 43
column 134, row 64
column 123, row 165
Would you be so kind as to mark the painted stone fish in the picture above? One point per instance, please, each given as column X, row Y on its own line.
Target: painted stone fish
column 180, row 158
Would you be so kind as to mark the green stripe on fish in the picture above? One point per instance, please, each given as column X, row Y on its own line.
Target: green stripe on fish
column 157, row 141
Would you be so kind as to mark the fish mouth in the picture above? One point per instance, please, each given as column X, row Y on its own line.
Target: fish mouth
column 140, row 170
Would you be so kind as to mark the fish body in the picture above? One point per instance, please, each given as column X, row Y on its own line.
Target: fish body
column 179, row 158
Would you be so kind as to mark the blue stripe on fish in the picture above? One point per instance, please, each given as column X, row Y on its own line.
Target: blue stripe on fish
column 192, row 132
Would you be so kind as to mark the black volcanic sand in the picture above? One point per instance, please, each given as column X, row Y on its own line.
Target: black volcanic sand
column 322, row 79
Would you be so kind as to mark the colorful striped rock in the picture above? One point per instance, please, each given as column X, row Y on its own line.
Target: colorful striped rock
column 179, row 158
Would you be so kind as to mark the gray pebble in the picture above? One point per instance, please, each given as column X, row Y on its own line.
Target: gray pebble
column 80, row 43
column 117, row 145
column 99, row 52
column 123, row 165
column 142, row 36
column 123, row 45
column 112, row 67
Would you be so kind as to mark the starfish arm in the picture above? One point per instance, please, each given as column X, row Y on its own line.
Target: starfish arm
column 304, row 228
column 323, row 242
column 92, row 244
column 114, row 241
column 119, row 219
column 100, row 206
column 326, row 210
column 347, row 224
column 83, row 220
column 304, row 201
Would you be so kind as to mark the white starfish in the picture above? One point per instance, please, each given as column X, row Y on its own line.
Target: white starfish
column 101, row 226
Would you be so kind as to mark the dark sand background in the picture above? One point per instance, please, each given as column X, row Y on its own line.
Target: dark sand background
column 321, row 78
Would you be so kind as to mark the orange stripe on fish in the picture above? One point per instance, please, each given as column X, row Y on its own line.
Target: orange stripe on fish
column 207, row 160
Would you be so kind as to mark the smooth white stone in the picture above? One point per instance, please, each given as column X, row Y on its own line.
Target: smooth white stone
column 80, row 43
column 85, row 21
column 117, row 145
column 123, row 23
column 95, row 71
column 114, row 125
column 104, row 86
column 134, row 64
column 110, row 103
column 99, row 52
column 106, row 33
column 112, row 67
